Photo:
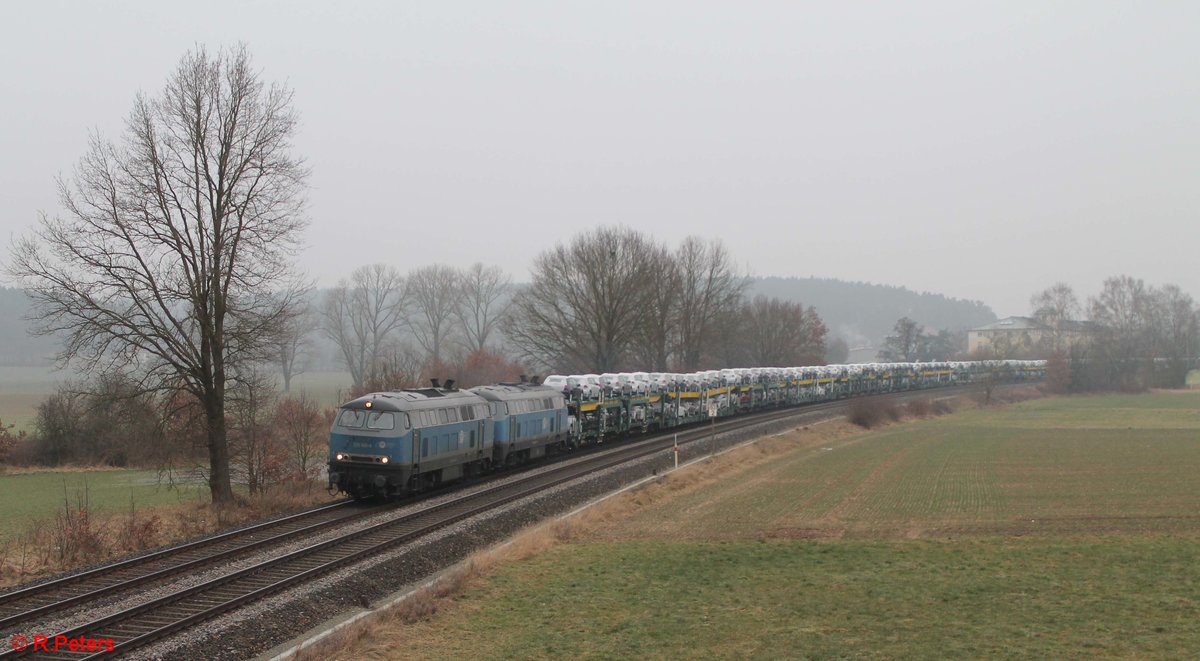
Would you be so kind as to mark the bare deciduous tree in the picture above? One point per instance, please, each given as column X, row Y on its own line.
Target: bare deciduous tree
column 943, row 345
column 904, row 344
column 292, row 342
column 652, row 344
column 303, row 431
column 361, row 314
column 709, row 287
column 253, row 439
column 837, row 351
column 1122, row 347
column 483, row 300
column 1054, row 307
column 1177, row 324
column 396, row 366
column 585, row 302
column 174, row 252
column 782, row 334
column 433, row 292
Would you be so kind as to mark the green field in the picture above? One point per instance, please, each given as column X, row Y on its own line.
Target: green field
column 1057, row 528
column 37, row 497
column 1070, row 464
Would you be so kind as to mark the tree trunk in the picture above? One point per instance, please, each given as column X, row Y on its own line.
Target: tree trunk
column 219, row 483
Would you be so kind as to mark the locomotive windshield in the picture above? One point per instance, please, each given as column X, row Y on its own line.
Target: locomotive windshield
column 359, row 419
column 380, row 420
column 352, row 418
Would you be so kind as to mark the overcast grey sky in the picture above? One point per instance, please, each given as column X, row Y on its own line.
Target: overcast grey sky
column 981, row 150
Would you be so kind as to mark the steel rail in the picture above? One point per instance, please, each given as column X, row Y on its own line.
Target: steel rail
column 68, row 591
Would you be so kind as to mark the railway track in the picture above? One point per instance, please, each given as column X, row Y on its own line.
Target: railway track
column 151, row 621
column 69, row 591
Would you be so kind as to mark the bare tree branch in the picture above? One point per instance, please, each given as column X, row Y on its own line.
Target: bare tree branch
column 433, row 292
column 709, row 288
column 483, row 301
column 583, row 308
column 360, row 316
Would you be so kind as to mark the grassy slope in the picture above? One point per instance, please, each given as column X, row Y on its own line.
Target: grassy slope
column 1056, row 528
column 789, row 599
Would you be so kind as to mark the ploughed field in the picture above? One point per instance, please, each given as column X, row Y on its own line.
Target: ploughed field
column 1063, row 527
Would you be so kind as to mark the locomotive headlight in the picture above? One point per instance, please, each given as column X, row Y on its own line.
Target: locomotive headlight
column 383, row 460
column 339, row 456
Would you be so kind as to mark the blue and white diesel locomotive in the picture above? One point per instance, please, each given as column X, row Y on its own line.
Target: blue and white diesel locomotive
column 392, row 443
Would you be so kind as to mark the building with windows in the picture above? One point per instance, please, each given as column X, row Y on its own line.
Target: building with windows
column 1014, row 337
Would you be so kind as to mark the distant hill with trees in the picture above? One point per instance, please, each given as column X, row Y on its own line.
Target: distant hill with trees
column 864, row 313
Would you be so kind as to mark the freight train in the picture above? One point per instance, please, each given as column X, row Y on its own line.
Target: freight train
column 392, row 443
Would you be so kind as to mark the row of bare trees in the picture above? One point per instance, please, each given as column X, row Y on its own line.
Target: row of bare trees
column 372, row 315
column 610, row 299
column 1140, row 335
column 614, row 298
column 1129, row 336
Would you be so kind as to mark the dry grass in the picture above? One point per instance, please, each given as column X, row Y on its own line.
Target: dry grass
column 76, row 536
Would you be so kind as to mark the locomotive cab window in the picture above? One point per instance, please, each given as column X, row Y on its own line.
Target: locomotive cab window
column 381, row 420
column 352, row 418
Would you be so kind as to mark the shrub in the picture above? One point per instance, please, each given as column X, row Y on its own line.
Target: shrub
column 140, row 532
column 73, row 534
column 919, row 408
column 942, row 407
column 868, row 412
